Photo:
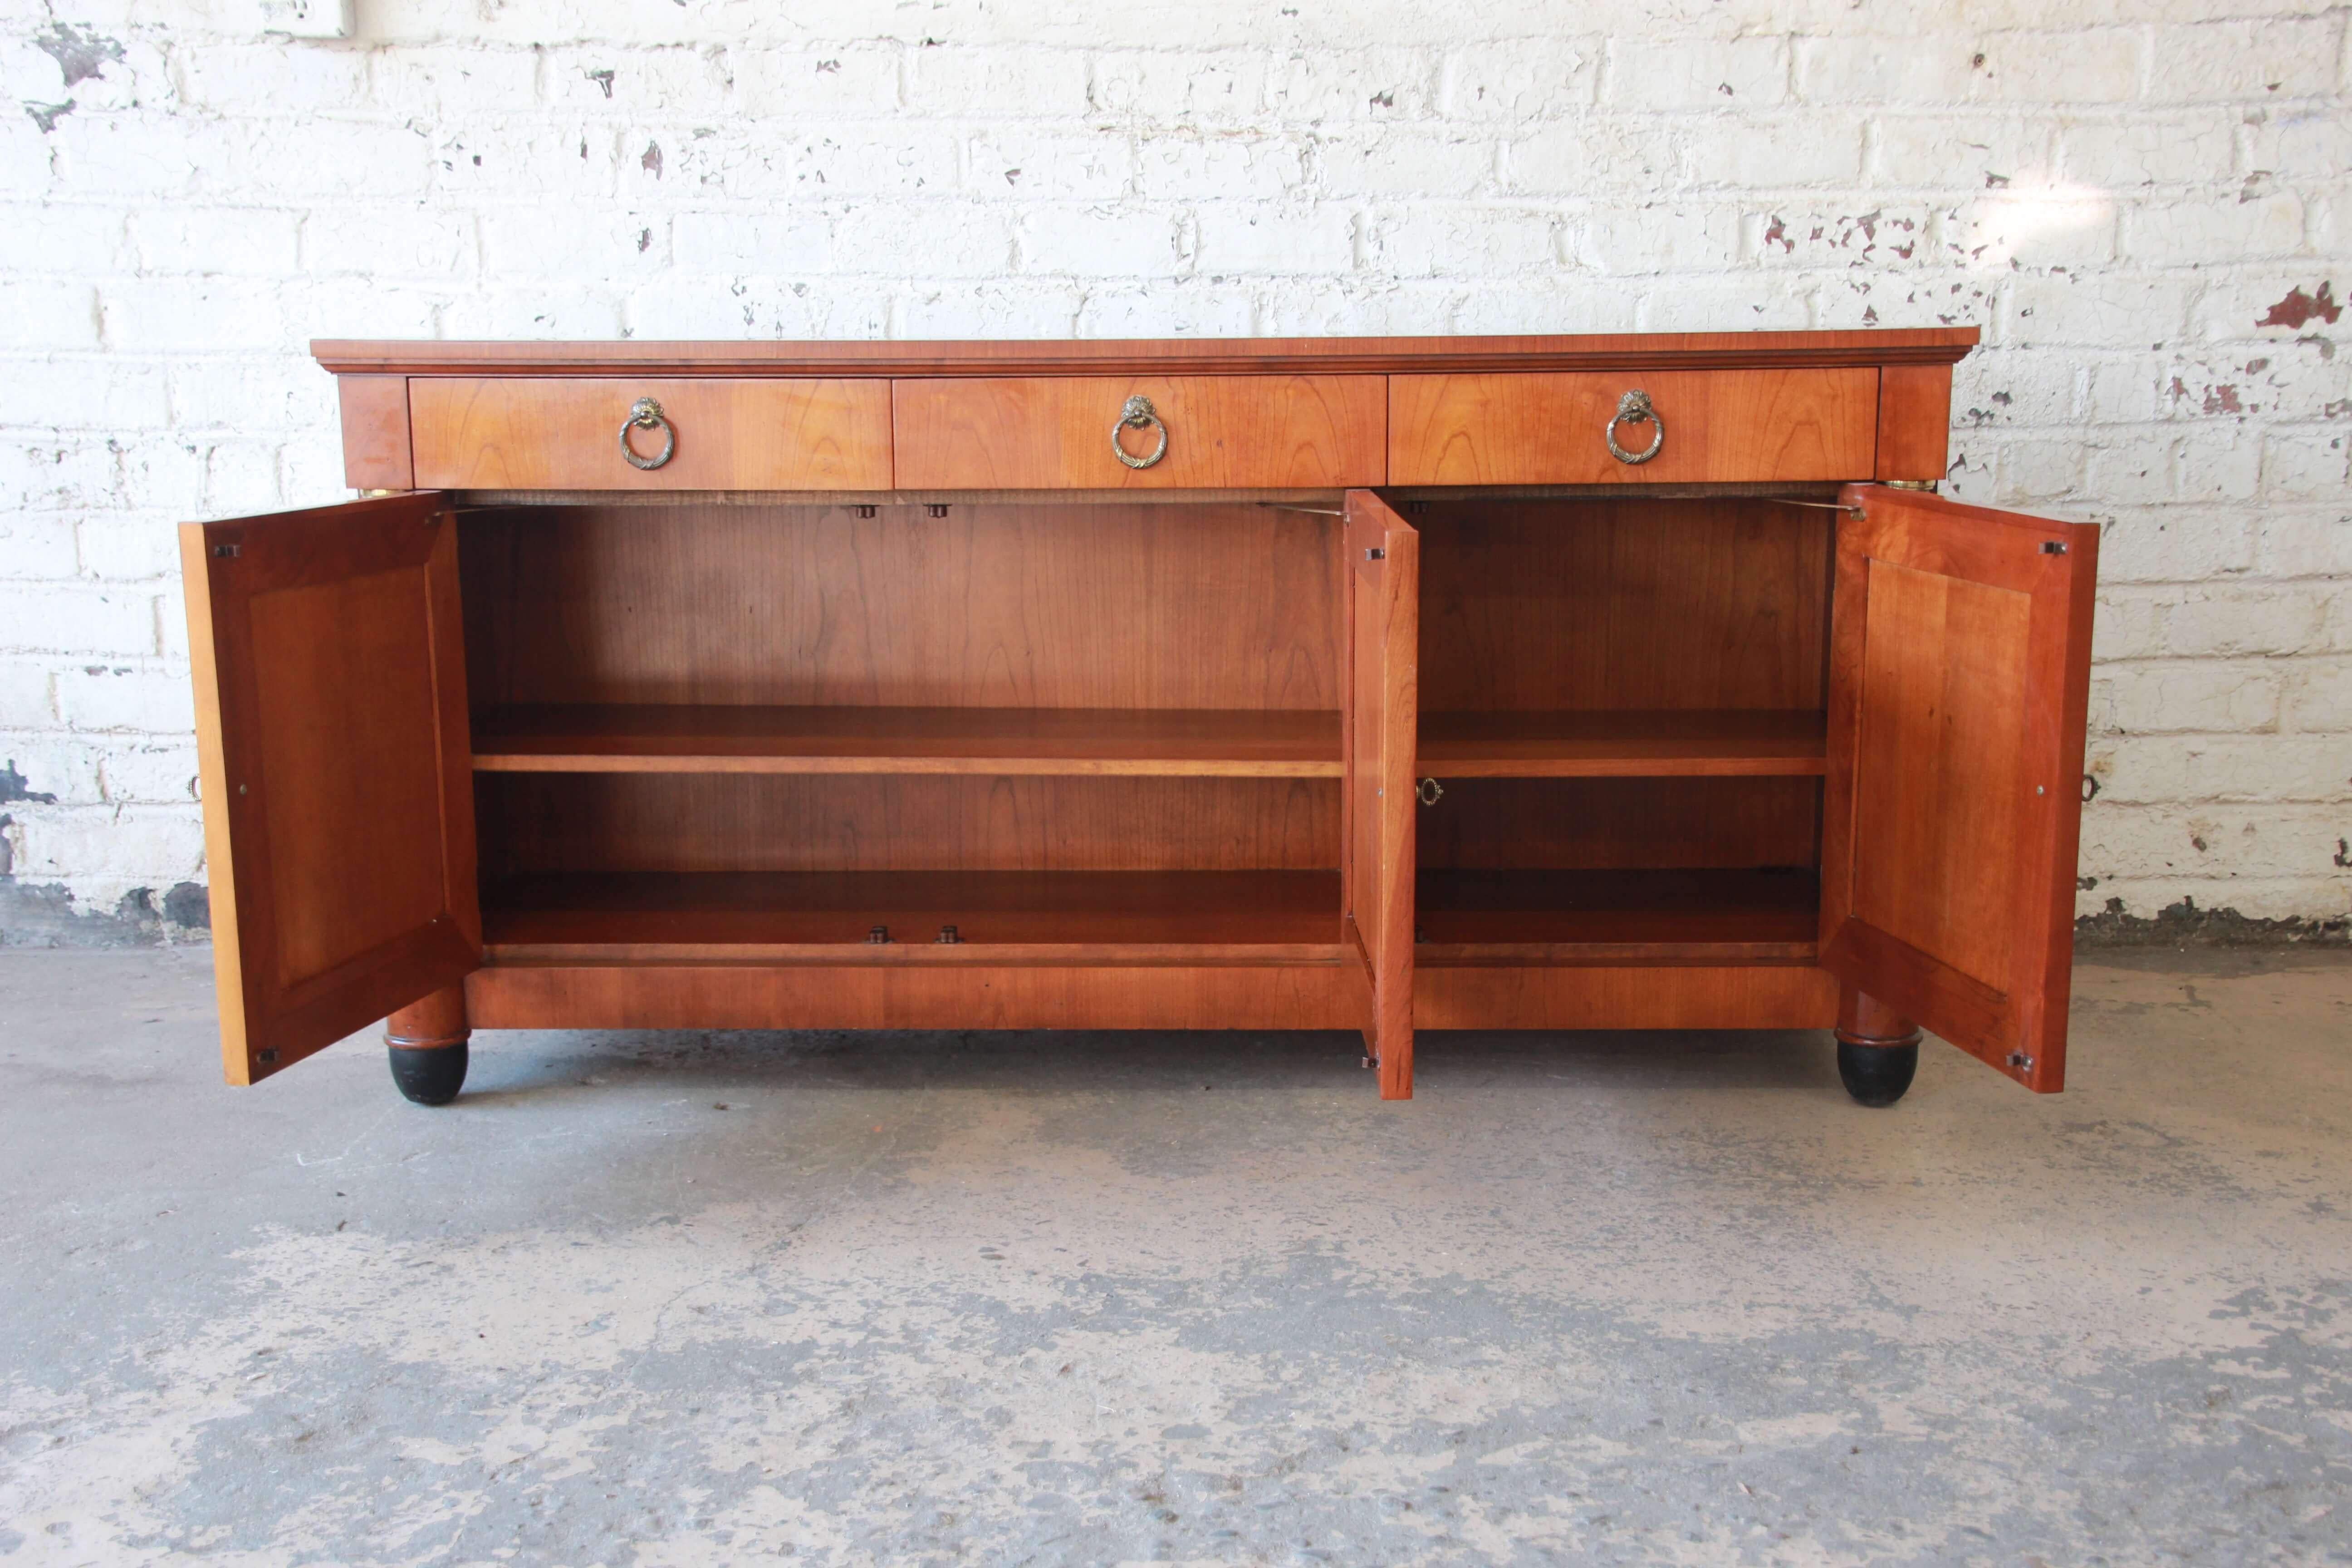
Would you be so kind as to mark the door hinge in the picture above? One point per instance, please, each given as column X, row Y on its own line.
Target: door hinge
column 1376, row 553
column 2052, row 547
column 226, row 552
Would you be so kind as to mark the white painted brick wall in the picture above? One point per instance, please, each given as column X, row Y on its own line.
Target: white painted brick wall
column 2121, row 193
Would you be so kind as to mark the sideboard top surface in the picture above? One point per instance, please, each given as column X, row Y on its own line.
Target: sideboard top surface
column 1231, row 356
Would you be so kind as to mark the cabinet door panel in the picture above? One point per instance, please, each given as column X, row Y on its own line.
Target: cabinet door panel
column 1958, row 683
column 1381, row 720
column 1223, row 432
column 337, row 772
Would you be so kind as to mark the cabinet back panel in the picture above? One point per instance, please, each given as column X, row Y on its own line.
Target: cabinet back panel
column 1623, row 824
column 1622, row 604
column 736, row 822
column 1209, row 605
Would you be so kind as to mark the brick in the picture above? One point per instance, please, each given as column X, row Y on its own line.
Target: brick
column 242, row 240
column 1961, row 150
column 1274, row 239
column 1164, row 87
column 844, row 81
column 233, row 76
column 2186, row 696
column 2176, row 544
column 1780, row 152
column 1859, row 237
column 1334, row 87
column 2208, row 230
column 1998, row 388
column 1100, row 242
column 1456, row 240
column 1521, row 79
column 1591, row 158
column 164, row 314
column 628, row 82
column 75, row 619
column 757, row 305
column 1174, row 165
column 2275, row 59
column 1044, row 309
column 1696, row 73
column 2251, row 841
column 2308, row 464
column 2177, row 149
column 2046, row 470
column 1755, row 304
column 71, row 240
column 51, row 313
column 2076, row 66
column 55, row 765
column 905, row 240
column 606, row 245
column 67, row 474
column 441, row 84
column 2220, row 621
column 530, row 311
column 1876, row 69
column 152, row 844
column 34, row 547
column 794, row 239
column 1024, row 83
column 2298, row 542
column 25, row 698
column 2318, row 696
column 146, row 698
column 1023, row 162
column 1164, row 309
column 2034, row 228
column 144, row 774
column 388, row 242
column 2160, row 770
column 1561, row 306
column 1401, row 163
column 1639, row 240
column 748, row 166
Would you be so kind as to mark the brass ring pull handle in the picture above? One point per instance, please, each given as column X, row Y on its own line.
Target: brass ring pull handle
column 1632, row 409
column 1138, row 416
column 646, row 414
column 1430, row 791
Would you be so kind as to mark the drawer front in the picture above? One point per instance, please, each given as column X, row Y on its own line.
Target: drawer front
column 1719, row 427
column 1223, row 432
column 565, row 433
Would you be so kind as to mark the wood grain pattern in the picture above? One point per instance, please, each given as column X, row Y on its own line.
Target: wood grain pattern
column 1622, row 823
column 1716, row 742
column 563, row 433
column 1198, row 356
column 822, row 822
column 1756, row 996
column 1000, row 917
column 883, row 997
column 1617, row 917
column 1915, row 421
column 1547, row 429
column 329, row 674
column 1381, row 722
column 1959, row 678
column 430, row 1023
column 1616, row 605
column 1041, row 432
column 375, row 432
column 1113, row 605
column 1006, row 742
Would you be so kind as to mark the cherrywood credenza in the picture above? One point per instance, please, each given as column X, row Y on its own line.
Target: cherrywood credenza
column 1388, row 684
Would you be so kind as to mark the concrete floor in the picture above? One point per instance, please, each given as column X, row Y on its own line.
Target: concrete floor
column 655, row 1299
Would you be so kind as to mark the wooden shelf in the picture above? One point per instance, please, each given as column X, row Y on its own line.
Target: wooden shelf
column 1001, row 916
column 1616, row 917
column 709, row 739
column 1707, row 742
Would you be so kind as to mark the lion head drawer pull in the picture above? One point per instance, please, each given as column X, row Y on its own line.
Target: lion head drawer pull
column 1138, row 416
column 646, row 414
column 1634, row 408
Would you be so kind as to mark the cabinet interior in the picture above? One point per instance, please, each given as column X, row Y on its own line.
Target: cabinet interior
column 740, row 729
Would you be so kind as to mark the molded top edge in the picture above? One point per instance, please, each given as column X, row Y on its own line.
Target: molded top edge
column 1246, row 356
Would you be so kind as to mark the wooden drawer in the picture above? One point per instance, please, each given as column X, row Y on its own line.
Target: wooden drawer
column 1224, row 432
column 564, row 432
column 1721, row 426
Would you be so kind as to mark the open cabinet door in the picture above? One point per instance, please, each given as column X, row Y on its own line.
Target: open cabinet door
column 1959, row 675
column 337, row 770
column 1380, row 724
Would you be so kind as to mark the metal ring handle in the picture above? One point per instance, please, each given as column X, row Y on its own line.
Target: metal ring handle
column 1138, row 416
column 1428, row 791
column 646, row 414
column 1632, row 409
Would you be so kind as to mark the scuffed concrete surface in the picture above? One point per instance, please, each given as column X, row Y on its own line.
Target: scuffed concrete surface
column 1089, row 1300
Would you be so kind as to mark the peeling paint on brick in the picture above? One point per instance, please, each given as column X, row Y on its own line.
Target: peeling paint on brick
column 2299, row 307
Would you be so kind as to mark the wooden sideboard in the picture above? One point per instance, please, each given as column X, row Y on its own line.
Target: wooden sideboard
column 1385, row 684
